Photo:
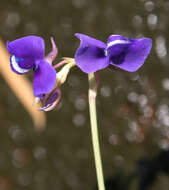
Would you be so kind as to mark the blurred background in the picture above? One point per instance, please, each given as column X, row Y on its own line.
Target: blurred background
column 133, row 108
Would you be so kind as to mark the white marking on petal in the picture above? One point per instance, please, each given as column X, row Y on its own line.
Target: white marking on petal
column 115, row 42
column 16, row 66
column 113, row 35
column 105, row 52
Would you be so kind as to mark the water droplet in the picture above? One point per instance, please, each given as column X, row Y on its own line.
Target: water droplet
column 12, row 19
column 132, row 97
column 152, row 20
column 149, row 6
column 79, row 119
column 160, row 47
column 105, row 91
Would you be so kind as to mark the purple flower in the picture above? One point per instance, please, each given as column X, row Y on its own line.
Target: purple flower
column 120, row 52
column 28, row 53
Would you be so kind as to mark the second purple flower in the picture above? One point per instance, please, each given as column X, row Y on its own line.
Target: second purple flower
column 120, row 52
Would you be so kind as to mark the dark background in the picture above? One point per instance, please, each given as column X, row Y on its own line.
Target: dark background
column 133, row 108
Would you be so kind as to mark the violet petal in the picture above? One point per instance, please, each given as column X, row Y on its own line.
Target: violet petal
column 131, row 55
column 32, row 47
column 44, row 78
column 90, row 56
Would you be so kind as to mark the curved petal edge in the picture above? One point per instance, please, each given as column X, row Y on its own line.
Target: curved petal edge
column 90, row 56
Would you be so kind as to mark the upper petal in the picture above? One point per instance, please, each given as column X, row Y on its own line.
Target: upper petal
column 90, row 56
column 90, row 41
column 44, row 78
column 129, row 54
column 32, row 47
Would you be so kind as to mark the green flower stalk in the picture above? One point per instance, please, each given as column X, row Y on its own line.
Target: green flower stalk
column 94, row 131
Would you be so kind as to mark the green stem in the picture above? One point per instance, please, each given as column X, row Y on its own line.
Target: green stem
column 94, row 130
